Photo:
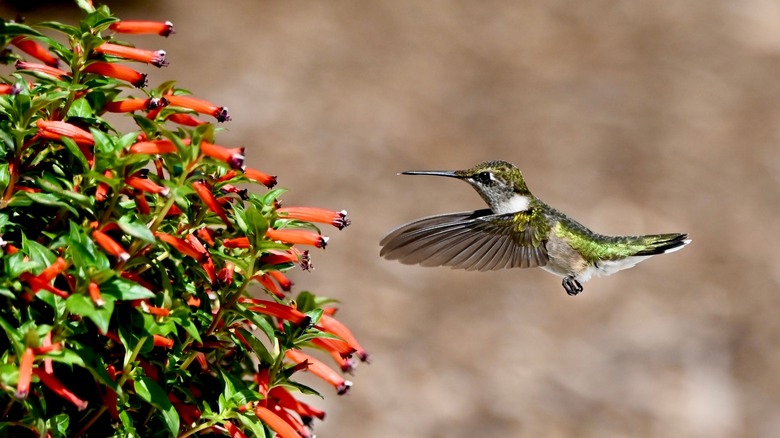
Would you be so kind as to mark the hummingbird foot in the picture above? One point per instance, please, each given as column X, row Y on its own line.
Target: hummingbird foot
column 572, row 286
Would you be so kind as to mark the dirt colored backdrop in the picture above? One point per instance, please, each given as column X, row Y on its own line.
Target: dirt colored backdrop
column 633, row 117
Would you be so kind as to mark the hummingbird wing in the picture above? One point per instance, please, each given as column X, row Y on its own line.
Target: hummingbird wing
column 472, row 240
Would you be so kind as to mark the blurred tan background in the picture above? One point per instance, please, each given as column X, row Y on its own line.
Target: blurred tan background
column 632, row 117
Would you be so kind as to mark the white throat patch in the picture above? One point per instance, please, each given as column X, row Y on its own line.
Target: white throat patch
column 514, row 204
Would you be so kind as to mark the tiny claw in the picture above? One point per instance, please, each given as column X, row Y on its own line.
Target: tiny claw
column 572, row 286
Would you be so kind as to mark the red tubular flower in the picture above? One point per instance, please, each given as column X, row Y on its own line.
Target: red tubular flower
column 110, row 246
column 25, row 373
column 275, row 257
column 153, row 310
column 102, row 189
column 225, row 275
column 208, row 264
column 185, row 119
column 156, row 58
column 204, row 192
column 275, row 422
column 94, row 293
column 286, row 400
column 147, row 185
column 182, row 246
column 346, row 364
column 284, row 282
column 162, row 341
column 310, row 214
column 206, row 235
column 337, row 346
column 298, row 236
column 237, row 242
column 154, row 147
column 320, row 370
column 47, row 346
column 117, row 71
column 7, row 89
column 143, row 27
column 200, row 106
column 58, row 388
column 130, row 105
column 53, row 270
column 234, row 157
column 34, row 49
column 269, row 285
column 263, row 178
column 54, row 130
column 336, row 327
column 41, row 68
column 276, row 310
column 188, row 412
column 234, row 431
column 301, row 430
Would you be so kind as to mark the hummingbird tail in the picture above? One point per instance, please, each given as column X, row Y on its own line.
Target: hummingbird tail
column 662, row 243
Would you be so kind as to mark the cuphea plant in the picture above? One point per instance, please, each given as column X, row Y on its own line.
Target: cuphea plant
column 126, row 259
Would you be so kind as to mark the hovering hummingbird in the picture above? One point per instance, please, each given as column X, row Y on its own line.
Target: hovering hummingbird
column 517, row 231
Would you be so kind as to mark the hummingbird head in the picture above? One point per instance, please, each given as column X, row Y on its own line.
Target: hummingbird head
column 499, row 183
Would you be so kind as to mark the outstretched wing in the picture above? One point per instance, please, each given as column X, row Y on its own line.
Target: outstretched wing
column 478, row 240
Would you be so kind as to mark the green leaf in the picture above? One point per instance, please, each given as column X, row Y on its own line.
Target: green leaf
column 123, row 289
column 182, row 316
column 151, row 392
column 37, row 252
column 82, row 305
column 135, row 229
column 257, row 346
column 252, row 423
column 59, row 424
column 257, row 319
column 81, row 108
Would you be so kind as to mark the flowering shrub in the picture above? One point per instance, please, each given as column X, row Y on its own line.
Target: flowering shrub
column 127, row 258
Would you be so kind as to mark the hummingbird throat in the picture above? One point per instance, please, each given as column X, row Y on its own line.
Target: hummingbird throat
column 514, row 203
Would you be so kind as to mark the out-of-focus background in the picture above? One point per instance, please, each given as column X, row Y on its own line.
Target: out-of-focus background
column 633, row 117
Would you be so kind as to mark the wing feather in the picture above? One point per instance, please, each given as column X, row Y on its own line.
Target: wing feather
column 477, row 240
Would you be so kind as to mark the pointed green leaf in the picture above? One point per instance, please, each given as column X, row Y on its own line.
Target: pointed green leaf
column 135, row 229
column 151, row 392
column 82, row 305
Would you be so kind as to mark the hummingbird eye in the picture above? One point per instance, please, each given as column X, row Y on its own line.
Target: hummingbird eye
column 483, row 177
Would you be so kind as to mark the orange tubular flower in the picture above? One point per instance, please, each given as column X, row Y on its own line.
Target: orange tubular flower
column 269, row 285
column 275, row 422
column 60, row 389
column 310, row 214
column 284, row 282
column 275, row 257
column 53, row 270
column 286, row 400
column 94, row 293
column 130, row 105
column 237, row 242
column 336, row 327
column 204, row 192
column 153, row 310
column 234, row 157
column 298, row 236
column 182, row 246
column 156, row 58
column 200, row 106
column 263, row 178
column 25, row 373
column 121, row 72
column 143, row 27
column 234, row 431
column 147, row 185
column 35, row 50
column 41, row 68
column 7, row 89
column 54, row 130
column 276, row 310
column 110, row 246
column 162, row 341
column 337, row 346
column 320, row 370
column 185, row 119
column 102, row 189
column 154, row 147
column 347, row 364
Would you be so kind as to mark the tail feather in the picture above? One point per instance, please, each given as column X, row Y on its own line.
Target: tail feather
column 662, row 243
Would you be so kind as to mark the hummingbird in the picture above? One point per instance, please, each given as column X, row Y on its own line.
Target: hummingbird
column 518, row 230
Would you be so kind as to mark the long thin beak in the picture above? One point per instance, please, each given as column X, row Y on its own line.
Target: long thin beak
column 447, row 173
